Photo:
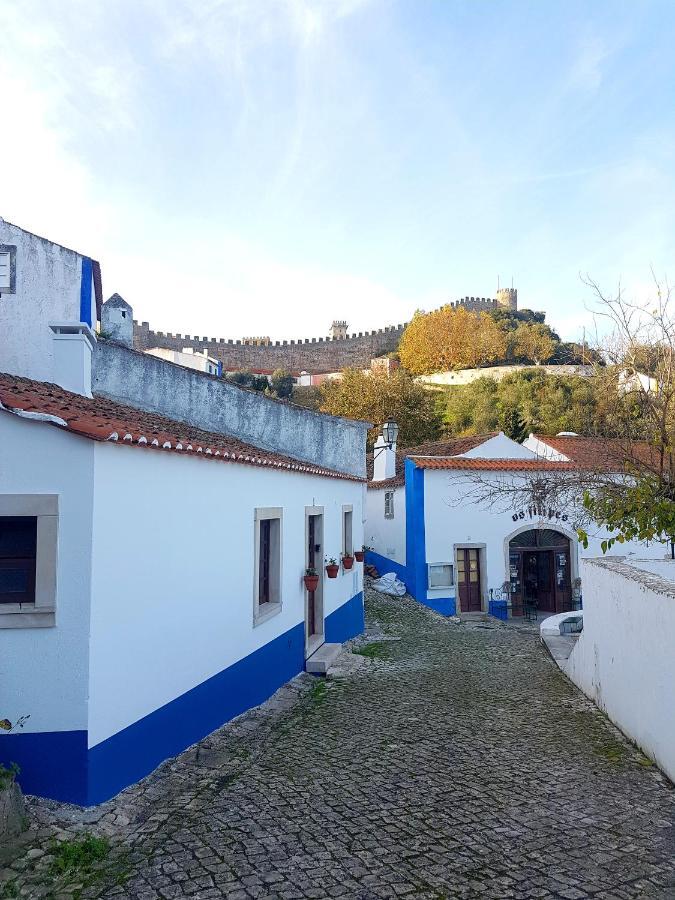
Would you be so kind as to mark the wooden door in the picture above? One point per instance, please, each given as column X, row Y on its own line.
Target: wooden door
column 311, row 563
column 562, row 579
column 468, row 579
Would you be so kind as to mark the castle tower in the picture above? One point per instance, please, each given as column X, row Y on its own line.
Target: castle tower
column 508, row 298
column 338, row 329
column 117, row 320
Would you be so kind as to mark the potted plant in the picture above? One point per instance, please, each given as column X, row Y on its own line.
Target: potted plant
column 311, row 578
column 360, row 554
column 347, row 560
column 332, row 567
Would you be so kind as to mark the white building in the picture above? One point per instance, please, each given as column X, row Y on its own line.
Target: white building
column 424, row 522
column 190, row 358
column 128, row 629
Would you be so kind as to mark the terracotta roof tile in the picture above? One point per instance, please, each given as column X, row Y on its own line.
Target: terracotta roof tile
column 105, row 420
column 448, row 447
column 593, row 453
column 510, row 465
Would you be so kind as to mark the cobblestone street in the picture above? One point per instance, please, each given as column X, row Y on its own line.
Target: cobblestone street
column 442, row 760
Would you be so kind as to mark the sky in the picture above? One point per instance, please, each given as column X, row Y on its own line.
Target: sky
column 262, row 167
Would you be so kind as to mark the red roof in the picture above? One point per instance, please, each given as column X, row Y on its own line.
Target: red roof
column 511, row 465
column 105, row 420
column 604, row 454
column 447, row 447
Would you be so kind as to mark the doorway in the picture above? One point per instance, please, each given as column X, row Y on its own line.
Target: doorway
column 314, row 628
column 539, row 571
column 468, row 579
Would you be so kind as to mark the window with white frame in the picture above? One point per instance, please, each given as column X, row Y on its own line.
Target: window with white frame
column 268, row 556
column 441, row 575
column 389, row 504
column 7, row 268
column 347, row 534
column 28, row 553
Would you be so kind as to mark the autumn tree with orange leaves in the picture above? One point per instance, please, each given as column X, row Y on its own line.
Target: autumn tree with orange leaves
column 451, row 338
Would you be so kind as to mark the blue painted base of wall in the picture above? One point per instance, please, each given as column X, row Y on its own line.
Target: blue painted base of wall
column 444, row 605
column 383, row 565
column 58, row 765
column 345, row 622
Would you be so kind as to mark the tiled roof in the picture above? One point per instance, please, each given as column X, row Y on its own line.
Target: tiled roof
column 510, row 465
column 448, row 447
column 604, row 454
column 104, row 420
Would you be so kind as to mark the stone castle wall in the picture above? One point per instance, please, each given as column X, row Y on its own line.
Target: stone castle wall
column 316, row 355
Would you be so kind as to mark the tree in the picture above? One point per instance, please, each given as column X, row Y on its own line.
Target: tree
column 377, row 396
column 245, row 378
column 450, row 338
column 534, row 342
column 281, row 383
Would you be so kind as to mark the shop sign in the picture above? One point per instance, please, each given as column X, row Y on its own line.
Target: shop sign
column 540, row 512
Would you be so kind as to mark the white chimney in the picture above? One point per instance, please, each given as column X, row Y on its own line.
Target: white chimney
column 384, row 463
column 73, row 347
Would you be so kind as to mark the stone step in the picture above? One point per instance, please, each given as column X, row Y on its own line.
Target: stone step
column 322, row 659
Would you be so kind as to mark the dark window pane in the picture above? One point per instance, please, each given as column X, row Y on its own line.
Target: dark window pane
column 18, row 536
column 525, row 539
column 550, row 538
column 13, row 581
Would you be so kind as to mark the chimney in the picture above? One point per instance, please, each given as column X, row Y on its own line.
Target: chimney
column 384, row 463
column 73, row 347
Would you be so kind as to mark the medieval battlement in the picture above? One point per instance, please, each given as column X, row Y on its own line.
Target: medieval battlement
column 337, row 351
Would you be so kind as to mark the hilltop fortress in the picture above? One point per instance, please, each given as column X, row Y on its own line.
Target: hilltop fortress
column 316, row 355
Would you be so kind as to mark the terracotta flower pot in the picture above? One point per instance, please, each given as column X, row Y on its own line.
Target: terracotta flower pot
column 347, row 561
column 358, row 555
column 332, row 571
column 311, row 582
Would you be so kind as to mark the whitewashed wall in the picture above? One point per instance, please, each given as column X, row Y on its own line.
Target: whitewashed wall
column 467, row 376
column 43, row 671
column 386, row 536
column 624, row 659
column 172, row 593
column 48, row 279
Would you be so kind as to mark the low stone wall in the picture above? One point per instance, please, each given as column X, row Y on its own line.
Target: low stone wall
column 211, row 403
column 624, row 659
column 467, row 376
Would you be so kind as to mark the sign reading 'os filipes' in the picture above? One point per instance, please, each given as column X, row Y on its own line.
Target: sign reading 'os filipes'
column 540, row 512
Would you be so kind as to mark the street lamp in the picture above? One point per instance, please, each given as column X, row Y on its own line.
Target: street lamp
column 389, row 435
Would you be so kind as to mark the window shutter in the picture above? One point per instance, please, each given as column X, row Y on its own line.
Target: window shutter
column 4, row 272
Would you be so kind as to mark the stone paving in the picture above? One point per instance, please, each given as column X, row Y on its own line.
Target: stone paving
column 443, row 760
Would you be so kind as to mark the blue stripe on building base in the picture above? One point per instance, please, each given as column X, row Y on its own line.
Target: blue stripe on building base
column 443, row 605
column 383, row 565
column 346, row 621
column 58, row 765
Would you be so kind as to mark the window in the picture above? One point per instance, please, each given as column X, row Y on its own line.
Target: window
column 18, row 548
column 441, row 575
column 347, row 539
column 7, row 268
column 389, row 504
column 267, row 589
column 28, row 554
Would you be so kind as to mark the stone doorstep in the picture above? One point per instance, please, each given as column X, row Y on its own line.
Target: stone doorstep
column 322, row 659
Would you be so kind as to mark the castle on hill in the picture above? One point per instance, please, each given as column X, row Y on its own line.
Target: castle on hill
column 337, row 351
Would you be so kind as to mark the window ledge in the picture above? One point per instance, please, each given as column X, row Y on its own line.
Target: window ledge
column 268, row 611
column 27, row 618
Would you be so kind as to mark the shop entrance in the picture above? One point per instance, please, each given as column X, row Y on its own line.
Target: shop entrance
column 539, row 571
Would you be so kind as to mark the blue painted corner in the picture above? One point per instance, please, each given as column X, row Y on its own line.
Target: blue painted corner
column 346, row 621
column 415, row 539
column 53, row 764
column 85, row 292
column 383, row 565
column 444, row 605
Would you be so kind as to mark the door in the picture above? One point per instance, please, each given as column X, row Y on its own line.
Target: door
column 468, row 579
column 314, row 605
column 538, row 579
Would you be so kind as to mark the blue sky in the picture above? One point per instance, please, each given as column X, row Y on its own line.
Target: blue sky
column 262, row 167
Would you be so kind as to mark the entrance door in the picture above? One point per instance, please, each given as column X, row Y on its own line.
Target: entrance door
column 314, row 605
column 538, row 579
column 539, row 571
column 468, row 579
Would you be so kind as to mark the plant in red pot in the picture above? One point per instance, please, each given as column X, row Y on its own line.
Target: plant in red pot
column 347, row 560
column 360, row 554
column 311, row 578
column 332, row 567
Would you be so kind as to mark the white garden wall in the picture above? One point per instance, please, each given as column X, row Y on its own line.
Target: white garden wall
column 624, row 659
column 386, row 536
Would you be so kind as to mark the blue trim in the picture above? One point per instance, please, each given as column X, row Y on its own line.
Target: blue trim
column 85, row 292
column 415, row 540
column 383, row 565
column 53, row 763
column 219, row 369
column 58, row 764
column 346, row 621
column 444, row 605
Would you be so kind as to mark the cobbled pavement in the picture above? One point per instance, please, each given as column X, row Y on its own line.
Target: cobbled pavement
column 453, row 760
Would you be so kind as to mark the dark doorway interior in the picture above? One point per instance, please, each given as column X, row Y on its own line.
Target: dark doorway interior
column 539, row 570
